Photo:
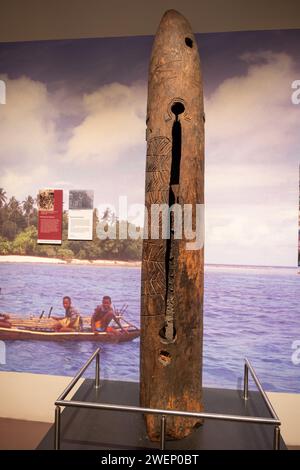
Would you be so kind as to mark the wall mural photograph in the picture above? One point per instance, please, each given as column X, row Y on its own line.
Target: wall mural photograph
column 73, row 156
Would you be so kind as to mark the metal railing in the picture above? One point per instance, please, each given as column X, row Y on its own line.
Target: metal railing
column 62, row 402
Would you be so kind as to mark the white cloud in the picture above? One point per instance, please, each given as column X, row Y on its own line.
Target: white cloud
column 27, row 124
column 252, row 155
column 251, row 235
column 21, row 184
column 40, row 148
column 251, row 116
column 113, row 126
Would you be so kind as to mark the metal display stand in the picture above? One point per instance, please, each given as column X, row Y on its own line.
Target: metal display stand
column 62, row 402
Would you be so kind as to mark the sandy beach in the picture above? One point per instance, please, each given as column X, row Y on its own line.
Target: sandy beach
column 39, row 259
column 137, row 264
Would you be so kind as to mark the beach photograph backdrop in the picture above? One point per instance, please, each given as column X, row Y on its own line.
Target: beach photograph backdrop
column 74, row 118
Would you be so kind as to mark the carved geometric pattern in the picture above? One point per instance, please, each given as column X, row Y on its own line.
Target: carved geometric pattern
column 154, row 272
column 158, row 162
column 159, row 146
column 154, row 250
column 157, row 180
column 157, row 191
column 157, row 197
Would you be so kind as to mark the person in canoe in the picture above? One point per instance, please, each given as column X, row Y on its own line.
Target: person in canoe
column 72, row 320
column 4, row 321
column 103, row 315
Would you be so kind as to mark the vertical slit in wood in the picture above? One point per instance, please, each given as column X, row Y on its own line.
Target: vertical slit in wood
column 169, row 329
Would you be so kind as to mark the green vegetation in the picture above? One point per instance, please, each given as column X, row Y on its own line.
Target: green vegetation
column 18, row 235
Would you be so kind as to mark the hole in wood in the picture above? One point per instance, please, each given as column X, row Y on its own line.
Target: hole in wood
column 189, row 42
column 163, row 336
column 177, row 108
column 168, row 333
column 164, row 358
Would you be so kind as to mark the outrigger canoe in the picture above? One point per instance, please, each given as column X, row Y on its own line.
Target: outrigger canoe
column 117, row 336
column 42, row 329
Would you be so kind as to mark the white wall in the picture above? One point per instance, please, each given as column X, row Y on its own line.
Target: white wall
column 287, row 406
column 64, row 19
column 31, row 397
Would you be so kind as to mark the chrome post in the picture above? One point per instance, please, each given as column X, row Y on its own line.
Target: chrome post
column 246, row 382
column 162, row 432
column 263, row 393
column 276, row 438
column 77, row 377
column 97, row 371
column 57, row 428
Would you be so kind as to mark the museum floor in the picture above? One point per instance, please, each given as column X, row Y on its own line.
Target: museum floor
column 16, row 434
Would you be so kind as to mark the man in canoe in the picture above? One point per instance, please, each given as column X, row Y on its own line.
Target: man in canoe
column 103, row 315
column 4, row 321
column 72, row 320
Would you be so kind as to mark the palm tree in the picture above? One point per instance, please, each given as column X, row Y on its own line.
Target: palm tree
column 3, row 197
column 28, row 207
column 14, row 208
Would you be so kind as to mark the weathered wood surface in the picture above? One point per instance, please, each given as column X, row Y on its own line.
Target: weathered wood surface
column 172, row 276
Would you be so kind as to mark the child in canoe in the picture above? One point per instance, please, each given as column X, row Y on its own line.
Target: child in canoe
column 72, row 320
column 103, row 315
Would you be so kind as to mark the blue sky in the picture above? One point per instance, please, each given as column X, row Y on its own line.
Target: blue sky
column 75, row 118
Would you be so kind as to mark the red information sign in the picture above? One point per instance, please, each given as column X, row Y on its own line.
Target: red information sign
column 50, row 203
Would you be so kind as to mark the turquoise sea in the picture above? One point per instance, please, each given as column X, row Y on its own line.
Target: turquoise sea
column 253, row 312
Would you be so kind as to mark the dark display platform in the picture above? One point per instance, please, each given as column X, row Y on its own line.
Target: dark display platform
column 85, row 429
